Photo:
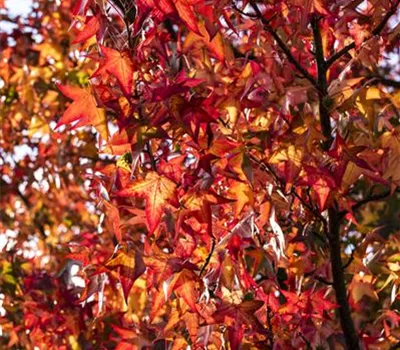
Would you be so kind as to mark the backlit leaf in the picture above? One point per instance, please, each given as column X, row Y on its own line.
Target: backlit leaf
column 157, row 191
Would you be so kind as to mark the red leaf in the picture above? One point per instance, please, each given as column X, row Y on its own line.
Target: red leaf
column 90, row 29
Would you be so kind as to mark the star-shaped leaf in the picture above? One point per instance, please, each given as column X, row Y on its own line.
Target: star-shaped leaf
column 157, row 191
column 130, row 267
column 83, row 109
column 120, row 65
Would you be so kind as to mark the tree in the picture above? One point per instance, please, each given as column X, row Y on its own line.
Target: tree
column 246, row 164
column 45, row 201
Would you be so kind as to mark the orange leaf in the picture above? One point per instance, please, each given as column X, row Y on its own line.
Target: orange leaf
column 187, row 15
column 185, row 287
column 120, row 65
column 130, row 266
column 83, row 109
column 113, row 220
column 192, row 324
column 243, row 194
column 157, row 190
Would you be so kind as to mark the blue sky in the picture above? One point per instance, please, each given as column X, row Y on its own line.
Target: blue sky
column 16, row 8
column 19, row 7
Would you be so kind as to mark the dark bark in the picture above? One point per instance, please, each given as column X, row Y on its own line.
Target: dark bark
column 339, row 284
column 282, row 45
column 332, row 224
column 322, row 83
column 333, row 227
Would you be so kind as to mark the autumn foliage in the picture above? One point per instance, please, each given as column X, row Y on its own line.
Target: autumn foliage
column 200, row 174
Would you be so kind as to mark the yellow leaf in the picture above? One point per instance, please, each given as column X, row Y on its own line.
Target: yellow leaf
column 38, row 126
column 351, row 174
column 292, row 154
column 243, row 195
column 341, row 90
column 231, row 105
column 395, row 98
column 363, row 286
column 373, row 93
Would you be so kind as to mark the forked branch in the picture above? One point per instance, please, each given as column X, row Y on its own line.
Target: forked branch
column 378, row 29
column 334, row 218
column 282, row 45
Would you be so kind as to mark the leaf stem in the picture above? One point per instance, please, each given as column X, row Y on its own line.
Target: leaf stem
column 208, row 259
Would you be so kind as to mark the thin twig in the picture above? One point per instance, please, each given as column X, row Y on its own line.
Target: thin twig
column 282, row 45
column 376, row 31
column 323, row 280
column 208, row 259
column 267, row 168
column 385, row 82
column 322, row 82
column 308, row 344
column 315, row 212
column 351, row 259
column 371, row 198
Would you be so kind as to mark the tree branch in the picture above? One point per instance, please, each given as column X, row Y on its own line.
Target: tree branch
column 339, row 284
column 282, row 45
column 371, row 198
column 376, row 31
column 333, row 229
column 386, row 82
column 322, row 82
column 351, row 259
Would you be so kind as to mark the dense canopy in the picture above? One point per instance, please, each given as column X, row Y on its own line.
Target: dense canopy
column 188, row 174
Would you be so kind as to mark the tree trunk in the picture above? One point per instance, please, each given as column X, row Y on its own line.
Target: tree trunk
column 339, row 281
